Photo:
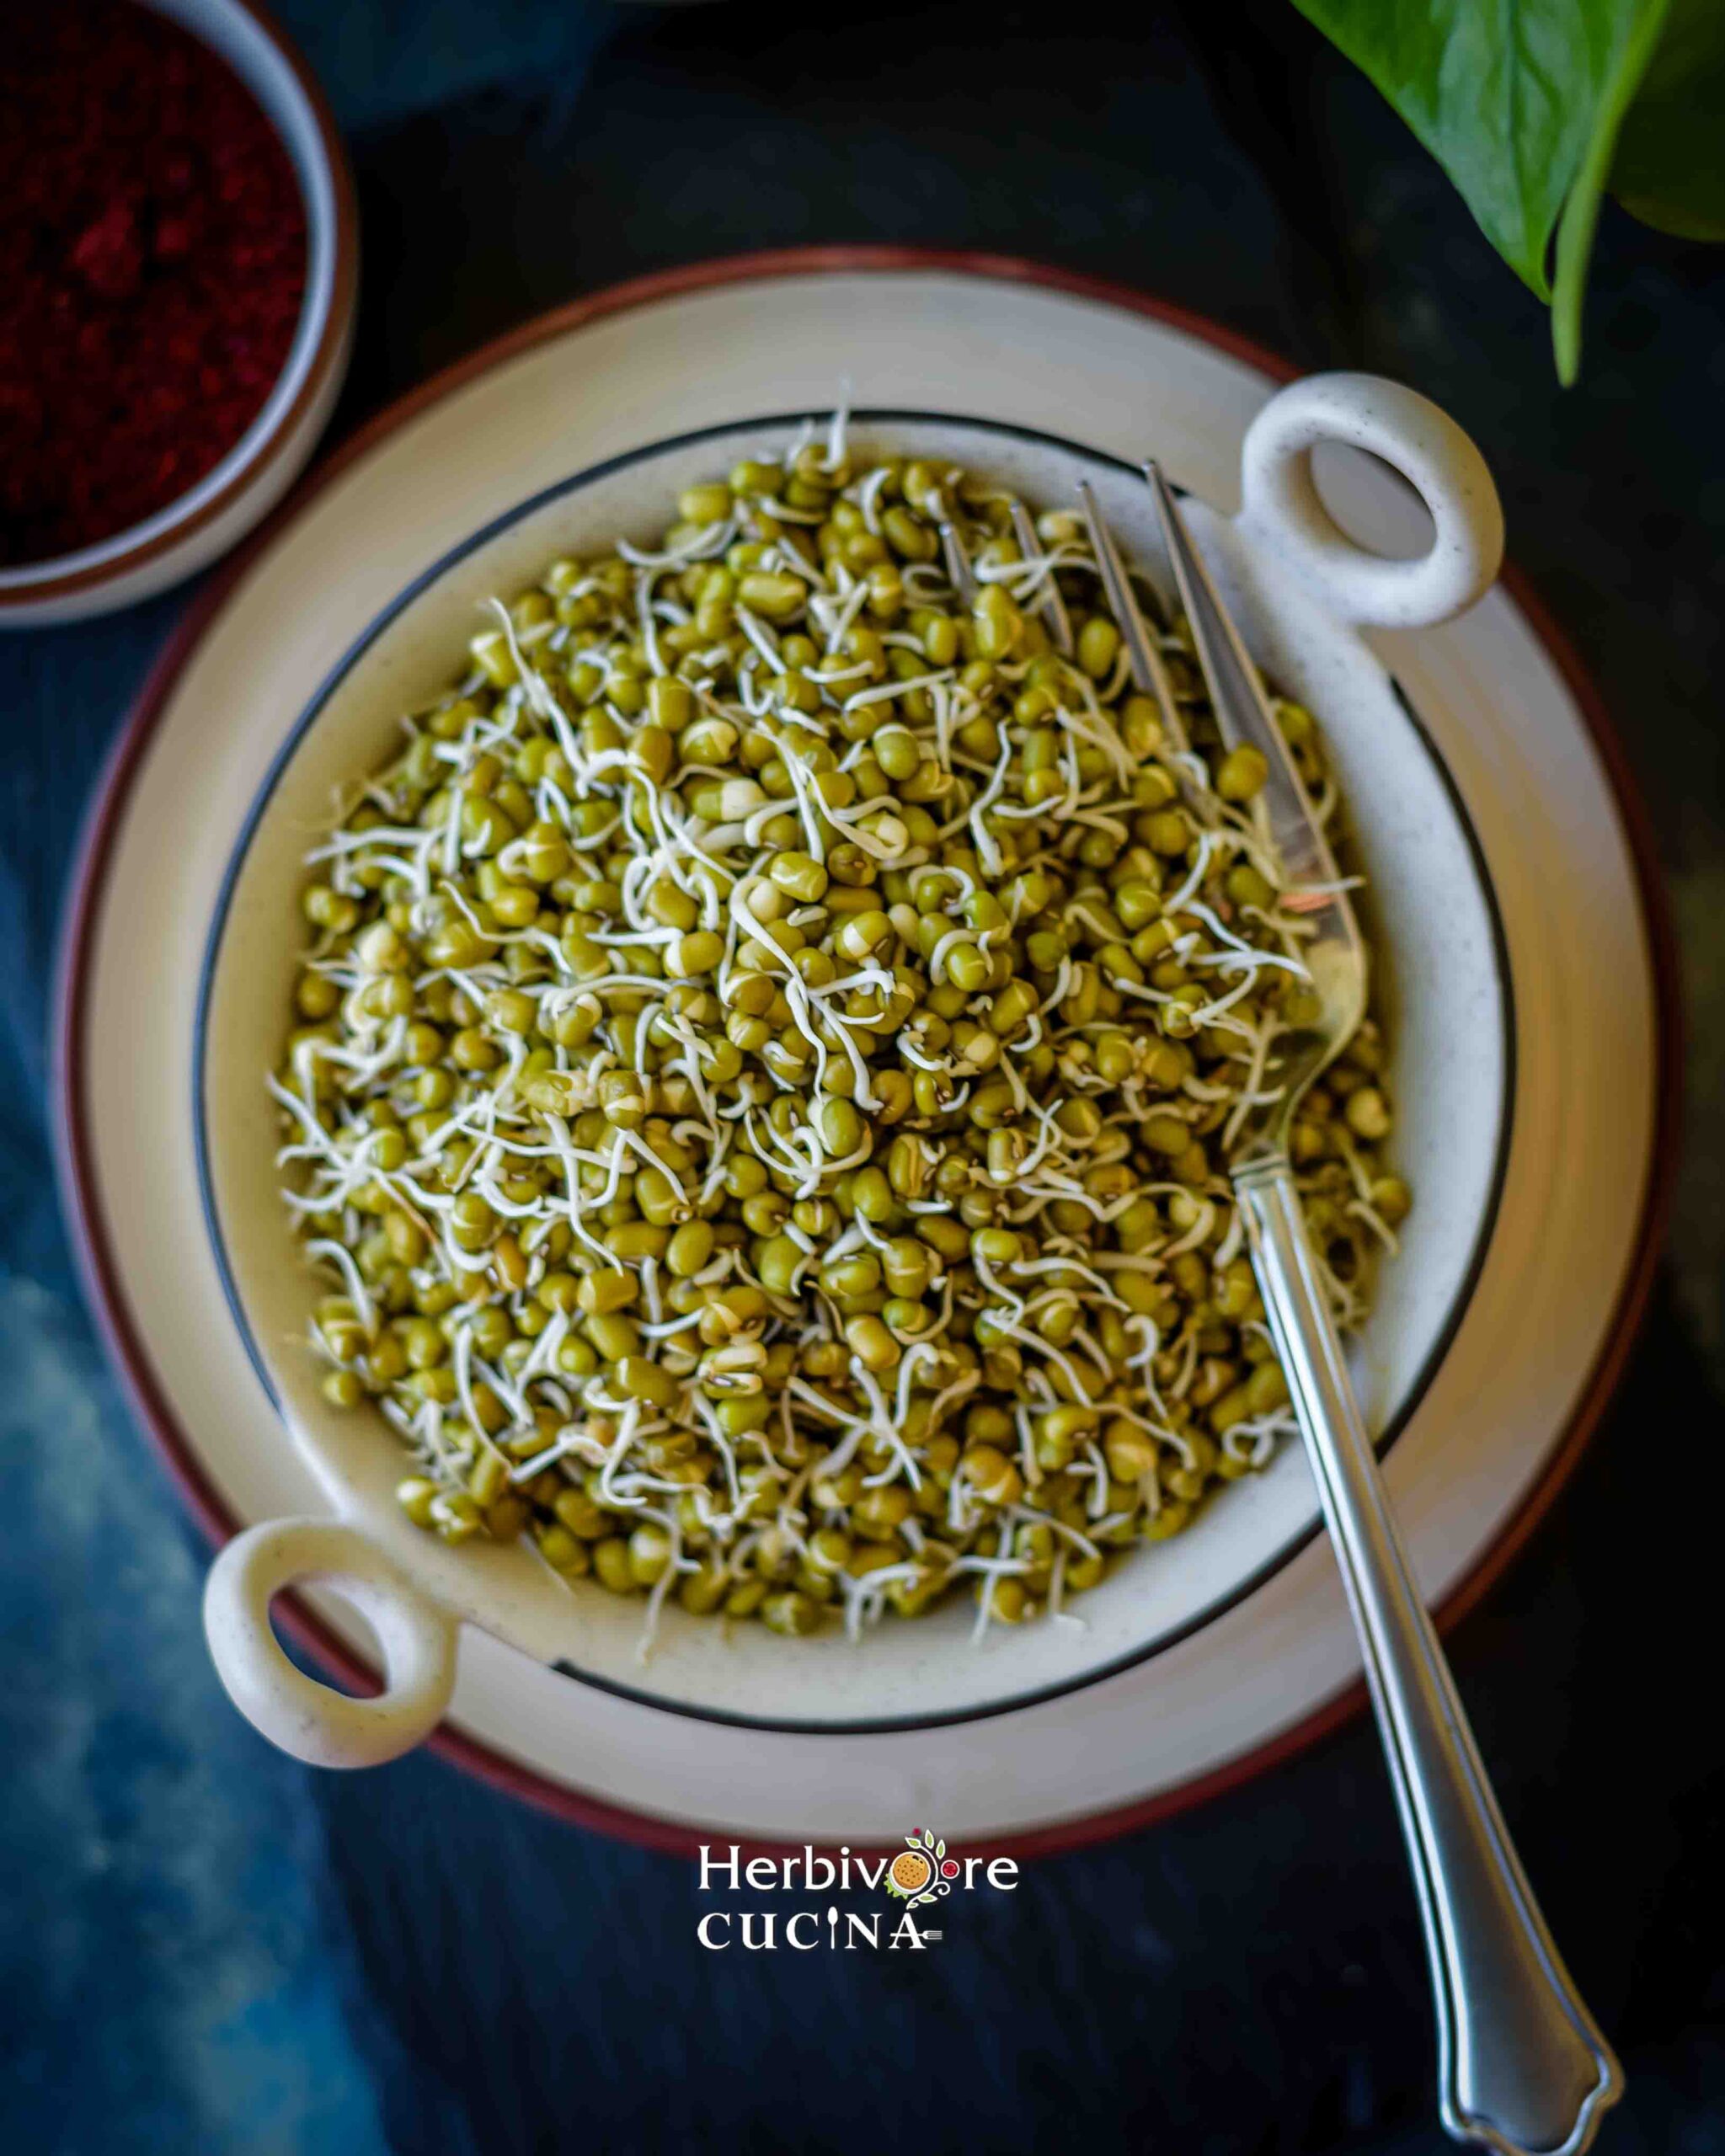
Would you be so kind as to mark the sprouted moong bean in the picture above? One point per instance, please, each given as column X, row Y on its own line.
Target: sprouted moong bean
column 767, row 1059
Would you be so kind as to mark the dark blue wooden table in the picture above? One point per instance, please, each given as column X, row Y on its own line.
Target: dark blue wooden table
column 204, row 1947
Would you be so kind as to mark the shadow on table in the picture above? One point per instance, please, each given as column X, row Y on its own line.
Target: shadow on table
column 1247, row 1977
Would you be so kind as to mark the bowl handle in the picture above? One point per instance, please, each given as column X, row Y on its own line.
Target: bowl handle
column 1282, row 509
column 311, row 1719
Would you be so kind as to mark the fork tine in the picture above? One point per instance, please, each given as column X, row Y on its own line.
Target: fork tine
column 1150, row 677
column 1237, row 695
column 959, row 572
column 1050, row 605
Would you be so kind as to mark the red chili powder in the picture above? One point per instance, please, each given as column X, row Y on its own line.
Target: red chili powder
column 153, row 259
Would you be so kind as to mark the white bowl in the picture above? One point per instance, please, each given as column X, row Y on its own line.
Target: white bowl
column 215, row 513
column 1298, row 592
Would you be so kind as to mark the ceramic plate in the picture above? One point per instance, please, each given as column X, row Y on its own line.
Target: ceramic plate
column 1530, row 1361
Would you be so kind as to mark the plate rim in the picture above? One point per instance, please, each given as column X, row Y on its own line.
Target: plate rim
column 74, row 1154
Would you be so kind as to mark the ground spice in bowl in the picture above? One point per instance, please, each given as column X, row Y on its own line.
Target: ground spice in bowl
column 153, row 264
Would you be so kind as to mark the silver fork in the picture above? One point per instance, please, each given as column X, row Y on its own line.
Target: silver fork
column 1522, row 2066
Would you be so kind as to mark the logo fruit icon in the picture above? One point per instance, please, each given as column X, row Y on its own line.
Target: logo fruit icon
column 920, row 1871
column 911, row 1872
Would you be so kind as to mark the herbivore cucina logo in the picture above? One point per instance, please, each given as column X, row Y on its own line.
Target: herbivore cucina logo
column 913, row 1877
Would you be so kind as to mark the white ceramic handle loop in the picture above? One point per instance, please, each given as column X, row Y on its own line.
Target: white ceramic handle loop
column 1283, row 512
column 313, row 1721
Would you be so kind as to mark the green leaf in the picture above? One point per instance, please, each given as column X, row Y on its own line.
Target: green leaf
column 1581, row 212
column 1669, row 169
column 1535, row 107
column 1504, row 93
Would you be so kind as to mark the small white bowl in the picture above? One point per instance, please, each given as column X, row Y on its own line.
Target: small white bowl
column 1299, row 592
column 215, row 514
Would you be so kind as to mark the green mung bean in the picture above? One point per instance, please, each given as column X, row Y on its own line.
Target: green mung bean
column 766, row 1059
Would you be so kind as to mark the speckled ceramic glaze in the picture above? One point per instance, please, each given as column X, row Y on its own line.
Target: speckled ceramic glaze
column 1300, row 588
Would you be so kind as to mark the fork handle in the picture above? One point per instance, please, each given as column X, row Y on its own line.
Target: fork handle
column 1521, row 2066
